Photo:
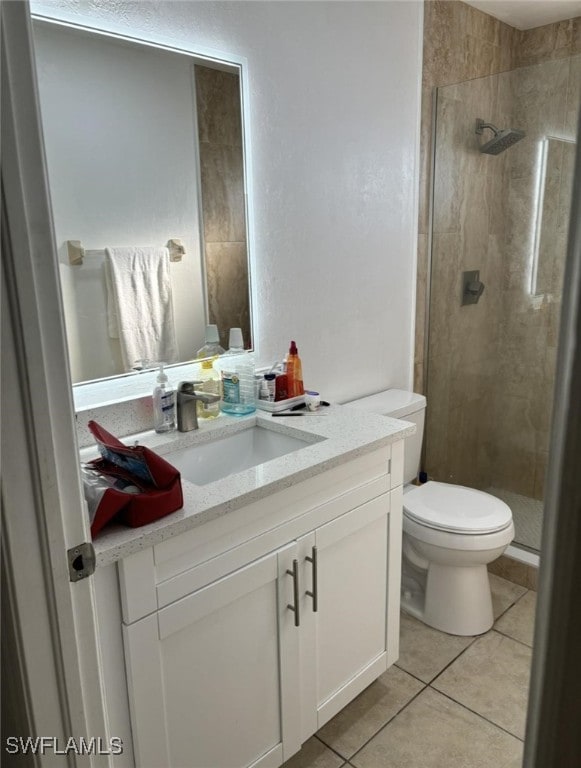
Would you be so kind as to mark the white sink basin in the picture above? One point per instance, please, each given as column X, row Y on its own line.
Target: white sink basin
column 205, row 462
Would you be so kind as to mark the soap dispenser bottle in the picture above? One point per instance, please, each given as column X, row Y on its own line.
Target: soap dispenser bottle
column 164, row 409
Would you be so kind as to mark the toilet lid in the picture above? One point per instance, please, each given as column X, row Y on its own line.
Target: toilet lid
column 456, row 509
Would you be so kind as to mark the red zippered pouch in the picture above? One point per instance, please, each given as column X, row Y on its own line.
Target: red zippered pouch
column 155, row 488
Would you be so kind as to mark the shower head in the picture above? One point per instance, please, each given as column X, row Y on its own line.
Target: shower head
column 503, row 139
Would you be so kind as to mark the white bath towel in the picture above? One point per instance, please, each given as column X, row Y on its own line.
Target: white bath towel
column 139, row 304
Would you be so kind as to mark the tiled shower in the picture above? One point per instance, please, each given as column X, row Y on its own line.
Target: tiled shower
column 491, row 365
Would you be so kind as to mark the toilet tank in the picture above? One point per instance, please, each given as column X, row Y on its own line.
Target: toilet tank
column 400, row 404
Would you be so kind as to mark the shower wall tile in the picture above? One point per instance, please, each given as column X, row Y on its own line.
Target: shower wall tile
column 445, row 291
column 437, row 415
column 227, row 280
column 541, row 464
column 566, row 186
column 514, row 468
column 573, row 91
column 539, row 94
column 515, row 571
column 553, row 320
column 534, row 45
column 465, row 436
column 218, row 107
column 223, row 182
column 520, row 361
column 419, row 377
column 552, row 41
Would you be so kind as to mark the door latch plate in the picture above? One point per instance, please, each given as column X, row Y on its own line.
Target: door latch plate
column 81, row 561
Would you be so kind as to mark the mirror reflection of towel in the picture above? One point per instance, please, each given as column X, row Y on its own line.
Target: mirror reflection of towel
column 139, row 304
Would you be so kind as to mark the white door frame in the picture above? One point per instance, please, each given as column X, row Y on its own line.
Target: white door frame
column 43, row 512
column 53, row 621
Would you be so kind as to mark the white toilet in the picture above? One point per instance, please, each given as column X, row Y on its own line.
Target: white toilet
column 450, row 533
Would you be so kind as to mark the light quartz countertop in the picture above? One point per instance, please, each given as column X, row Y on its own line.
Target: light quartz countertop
column 333, row 435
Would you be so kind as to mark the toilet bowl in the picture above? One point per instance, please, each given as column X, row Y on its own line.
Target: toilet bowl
column 450, row 534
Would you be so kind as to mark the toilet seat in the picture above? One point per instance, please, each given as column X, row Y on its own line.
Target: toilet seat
column 456, row 509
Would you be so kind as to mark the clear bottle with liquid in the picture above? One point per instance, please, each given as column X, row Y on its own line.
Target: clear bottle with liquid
column 209, row 377
column 209, row 381
column 237, row 373
column 164, row 404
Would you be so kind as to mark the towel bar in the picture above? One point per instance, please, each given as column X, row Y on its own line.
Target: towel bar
column 77, row 253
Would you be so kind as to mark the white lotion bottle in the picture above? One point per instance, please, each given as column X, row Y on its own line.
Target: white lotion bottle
column 164, row 404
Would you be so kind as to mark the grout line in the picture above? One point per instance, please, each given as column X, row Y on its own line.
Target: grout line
column 455, row 659
column 411, row 674
column 433, row 680
column 478, row 714
column 510, row 637
column 405, row 706
column 324, row 743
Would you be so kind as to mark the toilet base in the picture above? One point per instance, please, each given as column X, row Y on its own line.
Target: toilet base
column 455, row 599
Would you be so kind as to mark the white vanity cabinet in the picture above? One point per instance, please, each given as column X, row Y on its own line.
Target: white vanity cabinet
column 205, row 674
column 244, row 636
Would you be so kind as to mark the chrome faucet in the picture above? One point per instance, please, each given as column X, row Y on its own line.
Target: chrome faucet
column 187, row 404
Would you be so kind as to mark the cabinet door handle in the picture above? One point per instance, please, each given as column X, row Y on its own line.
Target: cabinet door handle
column 295, row 608
column 315, row 593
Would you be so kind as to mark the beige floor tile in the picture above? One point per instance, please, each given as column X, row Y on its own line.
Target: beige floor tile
column 314, row 754
column 519, row 621
column 371, row 710
column 491, row 678
column 423, row 651
column 504, row 593
column 435, row 732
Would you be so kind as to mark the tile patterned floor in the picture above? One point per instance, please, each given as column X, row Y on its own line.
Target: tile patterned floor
column 449, row 702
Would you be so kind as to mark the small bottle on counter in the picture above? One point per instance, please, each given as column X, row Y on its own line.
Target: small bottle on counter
column 164, row 409
column 294, row 372
column 281, row 387
column 263, row 393
column 270, row 379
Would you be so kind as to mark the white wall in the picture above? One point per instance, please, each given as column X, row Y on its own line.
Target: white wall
column 334, row 90
column 121, row 137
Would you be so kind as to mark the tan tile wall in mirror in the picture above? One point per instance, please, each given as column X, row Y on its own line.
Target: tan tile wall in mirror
column 223, row 203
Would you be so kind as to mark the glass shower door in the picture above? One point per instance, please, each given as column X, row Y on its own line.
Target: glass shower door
column 504, row 216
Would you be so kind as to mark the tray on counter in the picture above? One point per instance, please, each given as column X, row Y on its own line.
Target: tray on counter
column 279, row 405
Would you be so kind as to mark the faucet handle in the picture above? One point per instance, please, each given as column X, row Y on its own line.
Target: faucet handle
column 189, row 387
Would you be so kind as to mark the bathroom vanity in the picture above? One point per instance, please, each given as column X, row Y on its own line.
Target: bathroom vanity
column 233, row 629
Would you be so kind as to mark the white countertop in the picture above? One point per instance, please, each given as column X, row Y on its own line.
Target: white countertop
column 336, row 435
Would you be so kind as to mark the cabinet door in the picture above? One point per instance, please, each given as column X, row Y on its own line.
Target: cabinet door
column 350, row 622
column 205, row 673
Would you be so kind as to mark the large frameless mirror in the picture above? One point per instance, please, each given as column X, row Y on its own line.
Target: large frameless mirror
column 145, row 148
